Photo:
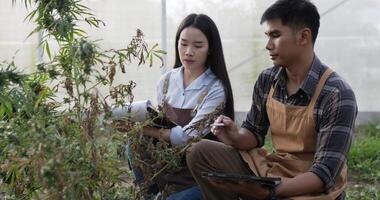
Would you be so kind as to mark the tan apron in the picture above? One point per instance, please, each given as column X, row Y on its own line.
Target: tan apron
column 294, row 140
column 180, row 179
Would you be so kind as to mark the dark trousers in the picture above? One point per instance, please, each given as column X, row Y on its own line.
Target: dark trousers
column 211, row 156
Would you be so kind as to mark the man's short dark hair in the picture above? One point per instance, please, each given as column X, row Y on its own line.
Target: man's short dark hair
column 296, row 14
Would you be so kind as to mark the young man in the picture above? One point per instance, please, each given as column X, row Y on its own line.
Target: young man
column 309, row 109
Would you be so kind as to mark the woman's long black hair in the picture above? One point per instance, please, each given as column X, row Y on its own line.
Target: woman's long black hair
column 215, row 59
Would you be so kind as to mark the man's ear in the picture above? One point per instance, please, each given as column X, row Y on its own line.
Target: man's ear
column 304, row 36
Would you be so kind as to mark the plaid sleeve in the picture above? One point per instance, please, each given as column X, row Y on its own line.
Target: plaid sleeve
column 335, row 134
column 257, row 121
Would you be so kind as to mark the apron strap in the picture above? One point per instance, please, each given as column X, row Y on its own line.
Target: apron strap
column 319, row 88
column 165, row 87
column 202, row 98
column 271, row 91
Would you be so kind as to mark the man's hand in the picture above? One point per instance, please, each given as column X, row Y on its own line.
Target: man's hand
column 227, row 133
column 247, row 190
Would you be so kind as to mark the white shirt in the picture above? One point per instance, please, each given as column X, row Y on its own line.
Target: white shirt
column 187, row 98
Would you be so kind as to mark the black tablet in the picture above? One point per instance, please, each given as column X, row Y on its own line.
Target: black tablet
column 265, row 181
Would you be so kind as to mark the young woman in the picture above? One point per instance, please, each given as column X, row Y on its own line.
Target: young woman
column 195, row 87
column 199, row 68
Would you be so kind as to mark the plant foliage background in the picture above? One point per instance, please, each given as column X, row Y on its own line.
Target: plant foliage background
column 54, row 147
column 57, row 137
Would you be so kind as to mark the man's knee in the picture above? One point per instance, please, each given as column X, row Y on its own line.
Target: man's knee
column 197, row 151
column 197, row 148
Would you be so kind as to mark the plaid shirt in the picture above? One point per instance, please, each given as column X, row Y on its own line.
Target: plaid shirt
column 334, row 114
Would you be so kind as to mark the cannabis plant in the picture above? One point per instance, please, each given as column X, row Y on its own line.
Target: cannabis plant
column 57, row 137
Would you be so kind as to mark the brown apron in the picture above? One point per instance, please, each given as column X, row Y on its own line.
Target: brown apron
column 294, row 140
column 180, row 179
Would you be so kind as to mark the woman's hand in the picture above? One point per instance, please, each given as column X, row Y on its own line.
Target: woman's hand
column 122, row 125
column 158, row 133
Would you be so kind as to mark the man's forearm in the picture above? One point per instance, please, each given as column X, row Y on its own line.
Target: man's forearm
column 307, row 183
column 245, row 140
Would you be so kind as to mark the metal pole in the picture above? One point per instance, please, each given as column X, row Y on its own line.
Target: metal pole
column 163, row 34
column 333, row 8
column 40, row 50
